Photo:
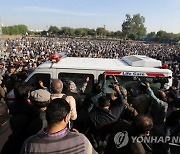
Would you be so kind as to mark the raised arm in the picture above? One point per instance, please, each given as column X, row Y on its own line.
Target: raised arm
column 153, row 97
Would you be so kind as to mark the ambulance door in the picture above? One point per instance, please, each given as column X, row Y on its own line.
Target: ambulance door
column 41, row 75
column 78, row 77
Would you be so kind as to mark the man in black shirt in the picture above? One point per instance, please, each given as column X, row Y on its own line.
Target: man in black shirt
column 120, row 140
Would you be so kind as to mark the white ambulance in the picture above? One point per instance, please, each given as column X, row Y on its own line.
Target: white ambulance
column 127, row 71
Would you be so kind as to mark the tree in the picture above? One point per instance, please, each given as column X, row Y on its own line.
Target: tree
column 177, row 37
column 102, row 32
column 84, row 32
column 118, row 34
column 67, row 31
column 110, row 34
column 133, row 27
column 167, row 37
column 160, row 35
column 151, row 36
column 78, row 32
column 15, row 30
column 91, row 32
column 127, row 26
column 5, row 30
column 53, row 30
column 23, row 29
column 44, row 33
column 81, row 32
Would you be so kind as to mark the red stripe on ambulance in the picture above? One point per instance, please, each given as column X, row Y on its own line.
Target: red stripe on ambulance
column 112, row 73
column 155, row 74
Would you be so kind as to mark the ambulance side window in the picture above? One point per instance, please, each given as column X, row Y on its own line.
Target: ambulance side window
column 33, row 81
column 130, row 81
column 78, row 79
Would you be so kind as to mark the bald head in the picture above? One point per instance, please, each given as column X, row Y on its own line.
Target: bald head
column 56, row 86
column 161, row 95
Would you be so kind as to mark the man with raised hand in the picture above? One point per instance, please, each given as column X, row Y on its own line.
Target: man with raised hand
column 57, row 138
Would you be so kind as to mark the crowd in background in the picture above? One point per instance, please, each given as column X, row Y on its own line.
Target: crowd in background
column 34, row 51
column 98, row 116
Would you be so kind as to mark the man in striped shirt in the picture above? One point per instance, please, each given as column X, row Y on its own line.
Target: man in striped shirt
column 57, row 138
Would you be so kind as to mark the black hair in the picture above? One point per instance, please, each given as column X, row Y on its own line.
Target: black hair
column 96, row 88
column 176, row 102
column 57, row 110
column 103, row 101
column 4, row 115
column 11, row 67
column 142, row 88
column 39, row 104
column 65, row 86
column 21, row 91
column 142, row 124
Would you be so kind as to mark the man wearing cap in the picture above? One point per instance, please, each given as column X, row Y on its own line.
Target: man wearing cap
column 40, row 99
column 27, row 122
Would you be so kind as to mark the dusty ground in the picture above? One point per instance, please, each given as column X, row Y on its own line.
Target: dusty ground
column 11, row 36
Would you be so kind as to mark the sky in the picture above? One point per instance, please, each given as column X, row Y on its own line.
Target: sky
column 40, row 14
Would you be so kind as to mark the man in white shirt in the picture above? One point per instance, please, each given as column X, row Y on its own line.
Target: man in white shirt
column 56, row 90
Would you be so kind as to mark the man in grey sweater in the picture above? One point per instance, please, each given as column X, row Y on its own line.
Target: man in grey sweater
column 57, row 138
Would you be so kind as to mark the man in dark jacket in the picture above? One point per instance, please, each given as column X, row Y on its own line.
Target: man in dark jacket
column 40, row 99
column 106, row 113
column 5, row 129
column 120, row 140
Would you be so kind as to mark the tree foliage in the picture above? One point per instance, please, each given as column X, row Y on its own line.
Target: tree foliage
column 67, row 31
column 151, row 36
column 127, row 26
column 133, row 27
column 102, row 32
column 164, row 36
column 15, row 30
column 53, row 30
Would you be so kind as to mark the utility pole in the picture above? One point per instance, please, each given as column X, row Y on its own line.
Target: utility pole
column 0, row 36
column 0, row 29
column 104, row 26
column 1, row 40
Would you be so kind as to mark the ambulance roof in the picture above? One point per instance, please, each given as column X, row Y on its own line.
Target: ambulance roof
column 96, row 64
column 85, row 63
column 142, row 61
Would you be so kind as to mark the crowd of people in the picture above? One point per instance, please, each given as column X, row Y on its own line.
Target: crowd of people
column 57, row 119
column 39, row 49
column 34, row 51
